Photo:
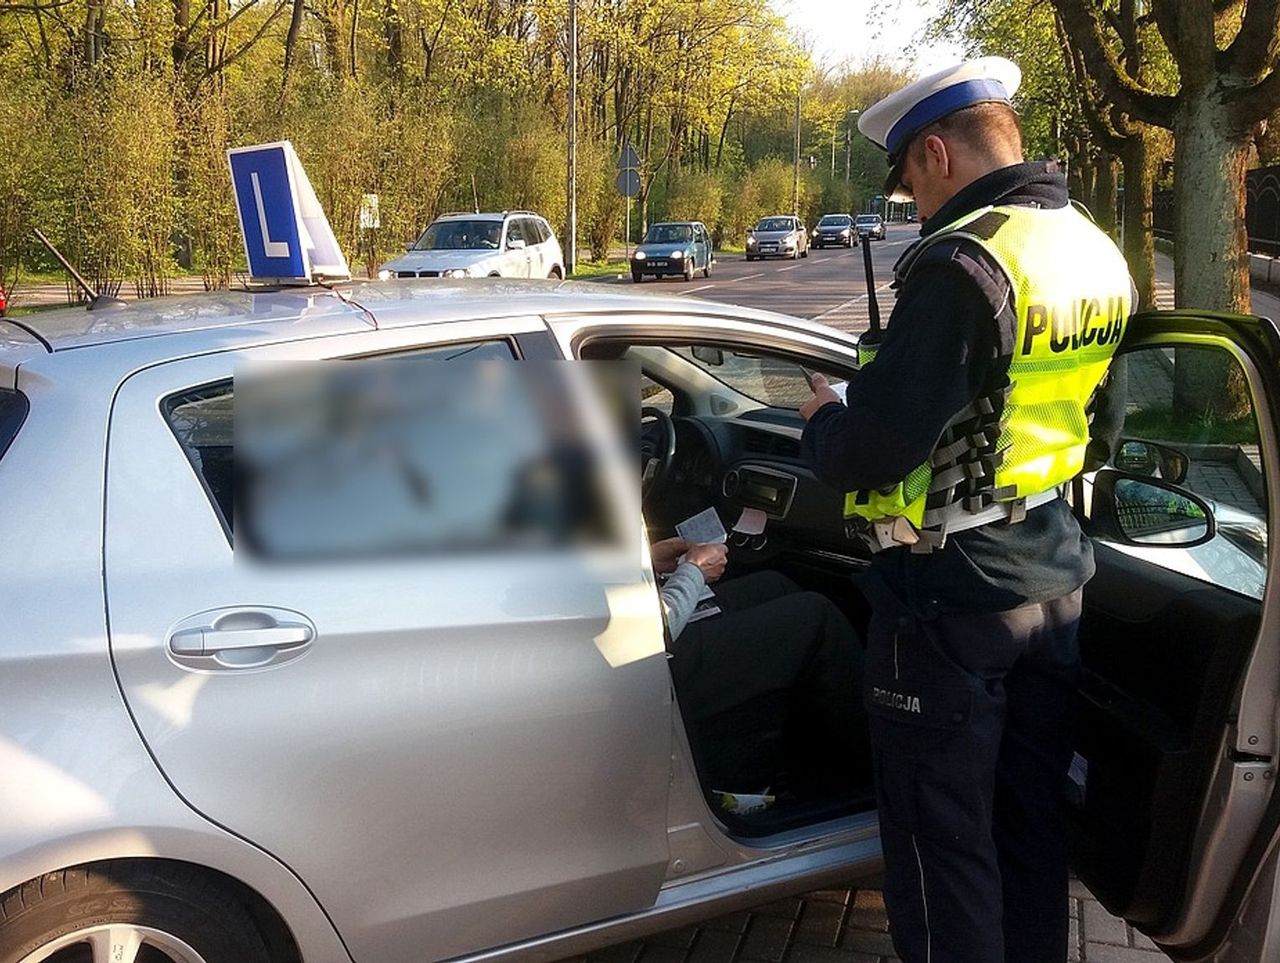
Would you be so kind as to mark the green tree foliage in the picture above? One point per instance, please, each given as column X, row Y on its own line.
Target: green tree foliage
column 117, row 114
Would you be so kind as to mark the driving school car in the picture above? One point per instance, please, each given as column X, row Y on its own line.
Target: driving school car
column 327, row 633
column 480, row 755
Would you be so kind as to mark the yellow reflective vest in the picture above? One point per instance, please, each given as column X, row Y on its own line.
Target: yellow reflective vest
column 1027, row 435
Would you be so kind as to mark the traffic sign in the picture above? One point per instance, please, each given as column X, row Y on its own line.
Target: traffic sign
column 629, row 160
column 286, row 235
column 628, row 183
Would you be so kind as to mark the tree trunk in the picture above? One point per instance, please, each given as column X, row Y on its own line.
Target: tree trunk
column 1139, row 185
column 291, row 46
column 1104, row 197
column 1211, row 266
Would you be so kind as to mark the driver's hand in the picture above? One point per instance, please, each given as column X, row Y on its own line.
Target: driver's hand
column 666, row 554
column 712, row 559
column 822, row 395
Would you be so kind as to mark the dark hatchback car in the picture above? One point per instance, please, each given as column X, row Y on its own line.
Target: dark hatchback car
column 835, row 230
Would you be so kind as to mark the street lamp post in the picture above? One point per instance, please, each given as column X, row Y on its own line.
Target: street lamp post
column 848, row 141
column 795, row 174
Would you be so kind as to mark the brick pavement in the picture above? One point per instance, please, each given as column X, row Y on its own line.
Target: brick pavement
column 850, row 926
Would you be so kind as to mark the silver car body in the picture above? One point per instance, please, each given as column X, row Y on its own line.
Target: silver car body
column 472, row 759
column 490, row 737
column 780, row 235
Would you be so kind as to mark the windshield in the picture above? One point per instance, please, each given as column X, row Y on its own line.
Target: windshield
column 868, row 218
column 668, row 234
column 460, row 236
column 774, row 224
column 834, row 220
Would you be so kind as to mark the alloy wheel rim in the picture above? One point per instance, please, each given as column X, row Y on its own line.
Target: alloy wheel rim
column 118, row 943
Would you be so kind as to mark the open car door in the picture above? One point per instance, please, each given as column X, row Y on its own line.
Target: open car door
column 1175, row 813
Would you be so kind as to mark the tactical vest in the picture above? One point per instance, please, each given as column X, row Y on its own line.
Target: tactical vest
column 1026, row 435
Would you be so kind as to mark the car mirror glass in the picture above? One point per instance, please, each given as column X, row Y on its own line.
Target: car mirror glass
column 1154, row 515
column 1148, row 458
column 1150, row 512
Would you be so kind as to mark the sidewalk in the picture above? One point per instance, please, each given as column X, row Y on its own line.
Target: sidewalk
column 849, row 926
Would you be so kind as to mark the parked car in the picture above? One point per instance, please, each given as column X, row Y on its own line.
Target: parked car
column 477, row 755
column 4, row 301
column 778, row 236
column 680, row 248
column 508, row 244
column 870, row 225
column 835, row 229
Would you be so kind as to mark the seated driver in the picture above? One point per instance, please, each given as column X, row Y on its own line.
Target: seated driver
column 769, row 687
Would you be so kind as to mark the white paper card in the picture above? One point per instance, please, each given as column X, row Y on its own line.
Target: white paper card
column 751, row 522
column 704, row 528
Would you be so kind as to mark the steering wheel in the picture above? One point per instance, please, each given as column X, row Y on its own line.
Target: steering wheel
column 657, row 449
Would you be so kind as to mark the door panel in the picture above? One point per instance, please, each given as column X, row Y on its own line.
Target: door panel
column 469, row 752
column 1168, row 633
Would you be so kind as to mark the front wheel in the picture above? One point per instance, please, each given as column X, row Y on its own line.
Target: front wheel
column 688, row 269
column 126, row 912
column 636, row 276
column 751, row 257
column 706, row 271
column 804, row 253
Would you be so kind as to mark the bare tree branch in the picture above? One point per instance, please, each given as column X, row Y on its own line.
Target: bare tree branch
column 1259, row 101
column 248, row 45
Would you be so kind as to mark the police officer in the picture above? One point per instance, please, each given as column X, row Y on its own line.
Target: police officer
column 954, row 447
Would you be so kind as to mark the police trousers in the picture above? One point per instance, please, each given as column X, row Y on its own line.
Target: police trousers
column 972, row 718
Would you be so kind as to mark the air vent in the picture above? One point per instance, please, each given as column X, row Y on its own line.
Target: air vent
column 756, row 443
column 786, row 447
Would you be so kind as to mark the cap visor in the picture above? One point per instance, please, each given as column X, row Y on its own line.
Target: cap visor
column 893, row 189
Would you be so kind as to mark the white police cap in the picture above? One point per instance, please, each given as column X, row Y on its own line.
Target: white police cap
column 892, row 122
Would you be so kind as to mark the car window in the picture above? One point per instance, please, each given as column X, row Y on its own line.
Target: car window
column 515, row 230
column 654, row 395
column 770, row 380
column 13, row 412
column 533, row 232
column 201, row 420
column 775, row 224
column 834, row 221
column 669, row 234
column 460, row 235
column 1188, row 411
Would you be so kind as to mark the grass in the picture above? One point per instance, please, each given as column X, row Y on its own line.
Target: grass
column 585, row 270
column 1164, row 425
column 35, row 309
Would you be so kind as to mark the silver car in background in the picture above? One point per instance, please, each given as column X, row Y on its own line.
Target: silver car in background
column 781, row 235
column 508, row 244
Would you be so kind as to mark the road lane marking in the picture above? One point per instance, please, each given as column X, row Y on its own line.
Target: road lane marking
column 702, row 288
column 789, row 267
column 845, row 305
column 745, row 277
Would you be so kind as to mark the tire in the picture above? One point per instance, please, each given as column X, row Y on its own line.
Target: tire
column 706, row 271
column 751, row 257
column 555, row 275
column 180, row 911
column 637, row 277
column 688, row 269
column 805, row 252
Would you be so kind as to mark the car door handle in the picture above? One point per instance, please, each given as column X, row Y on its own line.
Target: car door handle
column 207, row 641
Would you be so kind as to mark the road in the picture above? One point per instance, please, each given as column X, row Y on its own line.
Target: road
column 829, row 285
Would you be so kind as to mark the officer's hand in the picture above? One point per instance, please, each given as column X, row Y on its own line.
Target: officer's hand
column 666, row 553
column 822, row 395
column 712, row 559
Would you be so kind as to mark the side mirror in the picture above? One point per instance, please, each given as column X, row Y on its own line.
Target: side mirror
column 516, row 245
column 408, row 246
column 1148, row 458
column 708, row 356
column 1149, row 512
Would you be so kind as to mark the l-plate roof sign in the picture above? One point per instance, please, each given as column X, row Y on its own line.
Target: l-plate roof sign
column 287, row 238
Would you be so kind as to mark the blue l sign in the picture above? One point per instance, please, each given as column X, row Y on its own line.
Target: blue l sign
column 268, row 217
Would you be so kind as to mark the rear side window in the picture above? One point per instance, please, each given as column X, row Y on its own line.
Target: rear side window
column 13, row 412
column 201, row 419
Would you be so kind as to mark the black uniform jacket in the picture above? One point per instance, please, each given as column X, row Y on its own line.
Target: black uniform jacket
column 952, row 329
